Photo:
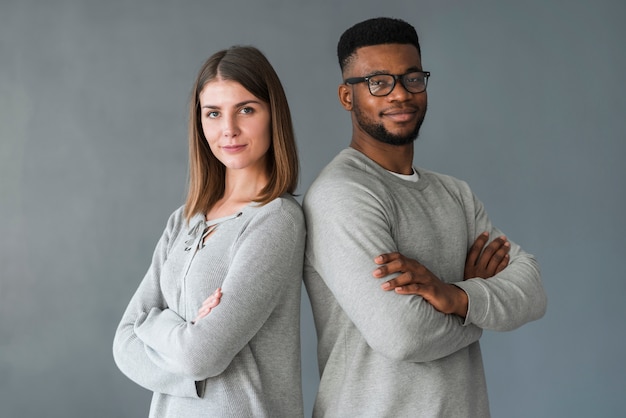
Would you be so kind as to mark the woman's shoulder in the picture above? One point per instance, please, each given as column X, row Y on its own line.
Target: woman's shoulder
column 283, row 206
column 177, row 219
column 285, row 203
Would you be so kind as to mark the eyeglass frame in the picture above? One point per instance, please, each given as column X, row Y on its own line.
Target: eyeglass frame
column 396, row 77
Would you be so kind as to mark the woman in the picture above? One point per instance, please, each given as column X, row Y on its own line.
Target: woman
column 213, row 329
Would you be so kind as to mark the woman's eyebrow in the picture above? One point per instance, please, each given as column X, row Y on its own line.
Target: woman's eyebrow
column 245, row 102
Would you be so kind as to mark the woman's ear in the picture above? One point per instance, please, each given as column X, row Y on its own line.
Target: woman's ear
column 345, row 96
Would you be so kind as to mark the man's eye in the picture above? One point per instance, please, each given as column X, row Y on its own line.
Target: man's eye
column 381, row 82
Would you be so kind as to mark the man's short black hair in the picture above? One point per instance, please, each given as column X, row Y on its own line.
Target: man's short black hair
column 377, row 31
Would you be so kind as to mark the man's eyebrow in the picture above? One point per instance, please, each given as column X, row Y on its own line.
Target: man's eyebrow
column 408, row 70
column 377, row 72
column 245, row 102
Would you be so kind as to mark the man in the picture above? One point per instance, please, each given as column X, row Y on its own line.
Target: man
column 406, row 345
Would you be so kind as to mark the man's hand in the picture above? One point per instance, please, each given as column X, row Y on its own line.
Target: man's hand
column 486, row 262
column 208, row 305
column 415, row 279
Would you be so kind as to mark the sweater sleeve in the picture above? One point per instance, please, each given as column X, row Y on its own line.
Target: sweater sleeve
column 347, row 226
column 511, row 298
column 268, row 255
column 129, row 351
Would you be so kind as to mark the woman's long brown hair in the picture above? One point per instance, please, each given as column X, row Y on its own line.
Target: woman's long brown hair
column 247, row 66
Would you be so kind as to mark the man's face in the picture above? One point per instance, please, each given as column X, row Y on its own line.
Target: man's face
column 397, row 117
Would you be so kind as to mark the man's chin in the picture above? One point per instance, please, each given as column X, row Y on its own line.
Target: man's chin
column 401, row 136
column 396, row 139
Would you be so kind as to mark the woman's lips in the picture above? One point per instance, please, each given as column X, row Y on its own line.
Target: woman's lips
column 233, row 148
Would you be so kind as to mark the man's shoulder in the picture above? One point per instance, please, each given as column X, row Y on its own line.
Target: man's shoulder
column 447, row 181
column 347, row 170
column 346, row 161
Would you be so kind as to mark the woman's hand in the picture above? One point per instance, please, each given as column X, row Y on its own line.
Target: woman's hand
column 208, row 305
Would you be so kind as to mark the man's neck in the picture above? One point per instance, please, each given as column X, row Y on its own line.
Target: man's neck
column 396, row 158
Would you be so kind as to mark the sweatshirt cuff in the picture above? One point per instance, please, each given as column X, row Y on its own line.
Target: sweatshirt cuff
column 150, row 328
column 477, row 301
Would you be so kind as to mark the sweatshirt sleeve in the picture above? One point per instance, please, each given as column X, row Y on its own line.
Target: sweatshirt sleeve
column 268, row 255
column 511, row 298
column 129, row 352
column 347, row 226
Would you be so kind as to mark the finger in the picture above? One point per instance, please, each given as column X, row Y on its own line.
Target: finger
column 211, row 302
column 414, row 274
column 490, row 250
column 404, row 279
column 410, row 289
column 476, row 248
column 202, row 313
column 215, row 295
column 207, row 301
column 392, row 266
column 208, row 304
column 426, row 291
column 380, row 272
column 503, row 264
column 386, row 258
column 395, row 265
column 497, row 257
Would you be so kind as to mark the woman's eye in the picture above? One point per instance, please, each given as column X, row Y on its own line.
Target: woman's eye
column 213, row 115
column 247, row 110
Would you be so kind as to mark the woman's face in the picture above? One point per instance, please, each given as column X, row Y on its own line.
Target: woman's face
column 236, row 125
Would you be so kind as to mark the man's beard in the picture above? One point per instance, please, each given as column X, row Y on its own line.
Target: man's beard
column 380, row 133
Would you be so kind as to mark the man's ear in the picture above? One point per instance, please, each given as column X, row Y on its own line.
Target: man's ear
column 345, row 96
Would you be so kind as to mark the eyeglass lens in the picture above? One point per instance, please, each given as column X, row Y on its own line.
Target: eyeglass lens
column 383, row 84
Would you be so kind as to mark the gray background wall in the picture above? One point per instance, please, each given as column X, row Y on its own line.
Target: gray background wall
column 527, row 103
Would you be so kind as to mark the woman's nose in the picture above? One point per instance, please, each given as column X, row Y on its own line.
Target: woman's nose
column 230, row 128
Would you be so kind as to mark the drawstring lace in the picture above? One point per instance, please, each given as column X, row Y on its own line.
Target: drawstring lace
column 196, row 238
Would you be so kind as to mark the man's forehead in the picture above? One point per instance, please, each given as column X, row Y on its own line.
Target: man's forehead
column 394, row 58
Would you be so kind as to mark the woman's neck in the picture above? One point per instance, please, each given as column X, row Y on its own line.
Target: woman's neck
column 240, row 190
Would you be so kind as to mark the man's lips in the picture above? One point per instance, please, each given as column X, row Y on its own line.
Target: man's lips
column 400, row 115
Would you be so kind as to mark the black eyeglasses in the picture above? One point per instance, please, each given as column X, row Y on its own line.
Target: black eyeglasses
column 383, row 84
